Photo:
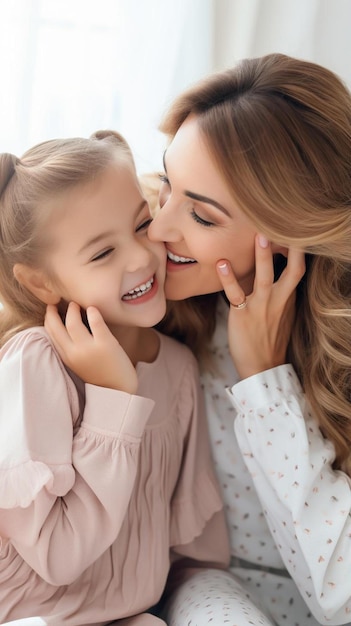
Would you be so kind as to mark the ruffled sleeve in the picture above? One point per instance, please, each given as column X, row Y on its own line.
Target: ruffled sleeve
column 38, row 404
column 306, row 502
column 58, row 490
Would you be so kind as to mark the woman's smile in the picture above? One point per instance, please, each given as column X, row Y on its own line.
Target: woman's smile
column 199, row 220
column 178, row 261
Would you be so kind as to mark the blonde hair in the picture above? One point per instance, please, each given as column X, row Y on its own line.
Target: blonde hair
column 279, row 130
column 27, row 187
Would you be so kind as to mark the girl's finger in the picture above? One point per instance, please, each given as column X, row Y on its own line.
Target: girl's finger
column 75, row 326
column 231, row 287
column 97, row 324
column 56, row 329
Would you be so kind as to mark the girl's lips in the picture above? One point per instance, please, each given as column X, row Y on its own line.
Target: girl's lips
column 142, row 293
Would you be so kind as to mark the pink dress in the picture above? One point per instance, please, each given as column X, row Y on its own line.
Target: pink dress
column 98, row 488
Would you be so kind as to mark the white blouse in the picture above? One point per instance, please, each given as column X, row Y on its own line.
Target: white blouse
column 286, row 507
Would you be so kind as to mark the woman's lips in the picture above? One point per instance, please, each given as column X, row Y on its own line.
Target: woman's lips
column 178, row 262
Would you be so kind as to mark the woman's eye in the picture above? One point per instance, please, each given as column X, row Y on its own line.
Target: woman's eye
column 144, row 225
column 164, row 190
column 102, row 254
column 163, row 178
column 199, row 219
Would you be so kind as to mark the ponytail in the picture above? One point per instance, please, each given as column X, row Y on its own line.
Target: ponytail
column 8, row 164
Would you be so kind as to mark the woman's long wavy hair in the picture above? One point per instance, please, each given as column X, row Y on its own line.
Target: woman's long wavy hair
column 29, row 187
column 279, row 130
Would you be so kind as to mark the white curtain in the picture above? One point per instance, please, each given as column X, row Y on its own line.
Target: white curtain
column 70, row 67
column 317, row 30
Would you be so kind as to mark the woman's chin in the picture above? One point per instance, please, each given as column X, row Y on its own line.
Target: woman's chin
column 175, row 296
column 182, row 292
column 191, row 281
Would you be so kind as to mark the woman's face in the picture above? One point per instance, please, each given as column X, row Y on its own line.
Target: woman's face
column 199, row 221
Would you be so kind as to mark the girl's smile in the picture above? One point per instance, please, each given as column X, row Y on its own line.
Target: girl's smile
column 142, row 292
column 100, row 254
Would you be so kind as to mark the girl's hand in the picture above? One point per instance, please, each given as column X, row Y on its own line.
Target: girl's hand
column 96, row 357
column 259, row 332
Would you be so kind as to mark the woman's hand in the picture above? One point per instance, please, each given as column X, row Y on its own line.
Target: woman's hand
column 259, row 331
column 96, row 356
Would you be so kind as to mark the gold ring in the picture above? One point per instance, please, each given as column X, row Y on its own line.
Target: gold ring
column 242, row 305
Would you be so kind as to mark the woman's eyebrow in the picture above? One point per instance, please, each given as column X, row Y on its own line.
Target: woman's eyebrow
column 206, row 200
column 197, row 196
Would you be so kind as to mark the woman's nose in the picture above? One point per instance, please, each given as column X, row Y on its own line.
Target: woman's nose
column 164, row 226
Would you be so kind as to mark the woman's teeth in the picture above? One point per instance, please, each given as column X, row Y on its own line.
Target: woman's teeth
column 179, row 259
column 139, row 291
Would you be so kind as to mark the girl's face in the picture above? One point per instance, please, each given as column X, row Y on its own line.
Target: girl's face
column 100, row 254
column 199, row 221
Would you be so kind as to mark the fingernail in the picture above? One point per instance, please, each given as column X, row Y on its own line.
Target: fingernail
column 223, row 268
column 263, row 241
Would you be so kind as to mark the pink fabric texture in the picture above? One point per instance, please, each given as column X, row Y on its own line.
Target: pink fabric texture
column 96, row 485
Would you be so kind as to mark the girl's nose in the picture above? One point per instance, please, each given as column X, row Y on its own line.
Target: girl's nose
column 139, row 256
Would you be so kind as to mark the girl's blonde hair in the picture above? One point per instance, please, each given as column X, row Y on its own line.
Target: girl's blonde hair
column 279, row 130
column 28, row 187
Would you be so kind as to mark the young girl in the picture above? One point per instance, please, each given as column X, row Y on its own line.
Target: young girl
column 257, row 176
column 104, row 456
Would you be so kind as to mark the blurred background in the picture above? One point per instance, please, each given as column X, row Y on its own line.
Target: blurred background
column 70, row 67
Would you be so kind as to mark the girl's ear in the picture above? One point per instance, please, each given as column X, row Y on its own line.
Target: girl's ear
column 37, row 282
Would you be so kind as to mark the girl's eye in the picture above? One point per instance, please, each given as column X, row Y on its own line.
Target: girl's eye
column 102, row 255
column 199, row 219
column 144, row 225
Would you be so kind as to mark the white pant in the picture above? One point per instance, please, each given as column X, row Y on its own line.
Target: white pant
column 216, row 598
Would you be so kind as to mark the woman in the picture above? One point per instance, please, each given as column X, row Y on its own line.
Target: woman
column 256, row 206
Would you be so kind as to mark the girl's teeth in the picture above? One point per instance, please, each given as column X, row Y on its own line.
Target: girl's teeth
column 142, row 287
column 139, row 291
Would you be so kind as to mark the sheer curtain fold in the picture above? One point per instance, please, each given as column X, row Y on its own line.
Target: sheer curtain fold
column 318, row 30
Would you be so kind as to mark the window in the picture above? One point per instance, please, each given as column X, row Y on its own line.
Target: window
column 70, row 67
